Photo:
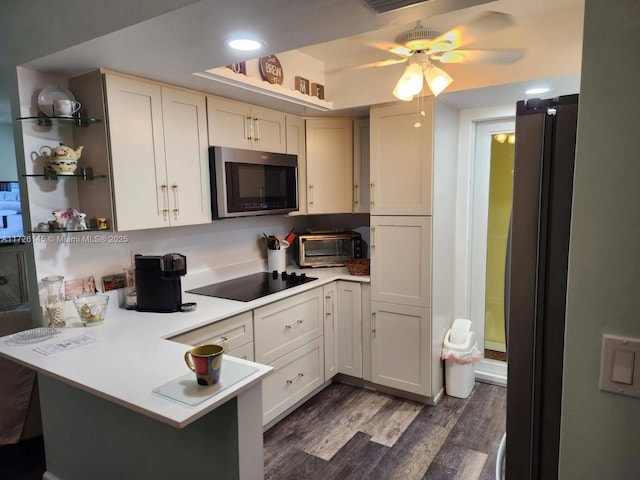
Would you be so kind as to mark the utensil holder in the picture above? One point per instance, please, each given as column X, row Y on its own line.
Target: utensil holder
column 277, row 260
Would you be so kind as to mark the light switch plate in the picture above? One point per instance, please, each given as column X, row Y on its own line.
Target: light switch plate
column 620, row 365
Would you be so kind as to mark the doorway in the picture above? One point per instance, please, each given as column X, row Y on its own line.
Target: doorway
column 491, row 197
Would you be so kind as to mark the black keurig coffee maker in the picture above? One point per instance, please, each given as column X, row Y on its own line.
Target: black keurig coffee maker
column 158, row 282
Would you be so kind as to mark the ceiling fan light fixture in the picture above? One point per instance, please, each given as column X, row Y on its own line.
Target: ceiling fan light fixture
column 437, row 79
column 410, row 83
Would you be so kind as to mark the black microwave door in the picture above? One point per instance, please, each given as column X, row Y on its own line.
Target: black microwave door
column 255, row 187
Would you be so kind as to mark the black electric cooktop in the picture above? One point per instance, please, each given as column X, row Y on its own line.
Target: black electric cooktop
column 253, row 286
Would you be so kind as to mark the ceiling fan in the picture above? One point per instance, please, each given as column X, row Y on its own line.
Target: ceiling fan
column 423, row 48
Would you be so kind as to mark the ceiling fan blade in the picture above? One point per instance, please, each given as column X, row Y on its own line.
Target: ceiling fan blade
column 381, row 63
column 461, row 35
column 393, row 48
column 495, row 56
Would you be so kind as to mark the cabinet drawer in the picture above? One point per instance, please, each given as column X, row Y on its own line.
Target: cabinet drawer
column 295, row 376
column 286, row 325
column 232, row 332
column 245, row 352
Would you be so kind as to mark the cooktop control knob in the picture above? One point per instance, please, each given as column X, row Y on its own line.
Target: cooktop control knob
column 283, row 276
column 274, row 274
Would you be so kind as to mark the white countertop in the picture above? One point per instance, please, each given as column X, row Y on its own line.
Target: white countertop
column 131, row 354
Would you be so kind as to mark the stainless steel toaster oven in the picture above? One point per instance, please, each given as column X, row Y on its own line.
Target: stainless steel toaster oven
column 328, row 249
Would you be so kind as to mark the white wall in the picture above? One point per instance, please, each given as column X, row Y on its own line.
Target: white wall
column 8, row 169
column 600, row 431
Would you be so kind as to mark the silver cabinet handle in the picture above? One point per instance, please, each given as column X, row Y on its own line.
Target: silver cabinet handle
column 310, row 197
column 373, row 323
column 290, row 381
column 372, row 201
column 176, row 206
column 249, row 125
column 373, row 231
column 290, row 326
column 355, row 194
column 256, row 121
column 165, row 201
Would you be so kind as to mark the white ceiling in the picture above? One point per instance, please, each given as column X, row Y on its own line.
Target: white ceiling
column 173, row 46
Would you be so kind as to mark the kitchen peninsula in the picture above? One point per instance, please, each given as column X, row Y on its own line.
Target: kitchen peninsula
column 101, row 418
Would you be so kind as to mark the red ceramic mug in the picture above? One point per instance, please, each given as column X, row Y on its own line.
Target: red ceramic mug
column 206, row 362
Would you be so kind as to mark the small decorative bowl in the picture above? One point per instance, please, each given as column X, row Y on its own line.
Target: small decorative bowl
column 91, row 308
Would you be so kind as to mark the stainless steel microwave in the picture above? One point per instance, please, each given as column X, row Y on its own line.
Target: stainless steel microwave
column 248, row 183
column 330, row 249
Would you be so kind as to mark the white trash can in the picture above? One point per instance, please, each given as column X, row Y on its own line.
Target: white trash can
column 460, row 351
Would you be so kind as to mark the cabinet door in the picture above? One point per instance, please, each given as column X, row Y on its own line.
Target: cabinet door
column 329, row 165
column 401, row 260
column 400, row 354
column 361, row 143
column 349, row 336
column 296, row 145
column 330, row 330
column 185, row 133
column 137, row 153
column 229, row 123
column 269, row 130
column 401, row 159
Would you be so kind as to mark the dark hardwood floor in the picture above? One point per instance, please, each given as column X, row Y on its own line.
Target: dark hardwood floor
column 348, row 432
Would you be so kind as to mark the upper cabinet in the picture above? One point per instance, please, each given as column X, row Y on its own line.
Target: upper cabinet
column 401, row 159
column 158, row 142
column 239, row 125
column 361, row 155
column 296, row 145
column 329, row 165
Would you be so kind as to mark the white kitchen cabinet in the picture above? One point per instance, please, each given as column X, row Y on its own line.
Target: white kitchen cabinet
column 288, row 337
column 159, row 160
column 283, row 326
column 401, row 347
column 296, row 145
column 401, row 260
column 361, row 149
column 295, row 375
column 329, row 165
column 349, row 337
column 240, row 125
column 331, row 336
column 401, row 159
column 235, row 334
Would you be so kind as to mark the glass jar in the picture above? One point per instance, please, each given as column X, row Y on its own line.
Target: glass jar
column 55, row 300
column 131, row 298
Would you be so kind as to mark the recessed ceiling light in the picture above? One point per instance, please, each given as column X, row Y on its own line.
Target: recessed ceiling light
column 536, row 91
column 245, row 43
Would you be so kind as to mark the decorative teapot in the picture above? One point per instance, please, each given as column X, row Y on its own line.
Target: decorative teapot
column 61, row 152
column 62, row 160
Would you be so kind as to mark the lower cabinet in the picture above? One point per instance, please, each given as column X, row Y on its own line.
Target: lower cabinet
column 400, row 347
column 234, row 333
column 349, row 336
column 289, row 337
column 295, row 376
column 330, row 330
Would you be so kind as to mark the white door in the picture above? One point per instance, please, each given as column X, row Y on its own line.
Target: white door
column 481, row 171
column 137, row 153
column 329, row 165
column 269, row 130
column 229, row 123
column 185, row 131
column 350, row 333
column 401, row 159
column 400, row 353
column 330, row 293
column 401, row 260
column 361, row 145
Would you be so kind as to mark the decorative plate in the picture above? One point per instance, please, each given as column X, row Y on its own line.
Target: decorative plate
column 49, row 94
column 33, row 335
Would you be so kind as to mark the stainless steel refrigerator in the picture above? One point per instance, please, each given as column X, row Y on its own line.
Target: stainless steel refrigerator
column 536, row 284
